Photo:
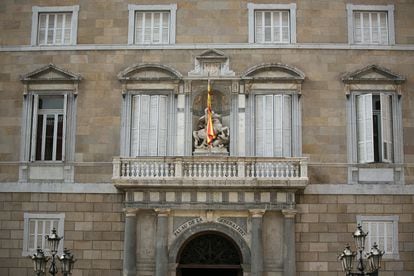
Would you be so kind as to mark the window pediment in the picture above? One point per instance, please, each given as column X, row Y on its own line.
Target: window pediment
column 373, row 74
column 51, row 73
column 274, row 72
column 149, row 72
column 211, row 62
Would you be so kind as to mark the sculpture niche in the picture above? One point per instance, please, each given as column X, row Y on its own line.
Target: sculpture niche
column 219, row 144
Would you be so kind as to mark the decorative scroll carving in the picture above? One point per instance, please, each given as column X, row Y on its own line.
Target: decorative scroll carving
column 210, row 249
column 211, row 63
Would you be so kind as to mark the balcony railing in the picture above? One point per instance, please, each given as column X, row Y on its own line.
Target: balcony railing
column 208, row 167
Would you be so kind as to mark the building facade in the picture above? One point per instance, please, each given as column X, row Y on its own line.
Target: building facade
column 103, row 134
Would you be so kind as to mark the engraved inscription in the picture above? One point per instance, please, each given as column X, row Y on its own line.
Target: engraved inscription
column 233, row 225
column 187, row 225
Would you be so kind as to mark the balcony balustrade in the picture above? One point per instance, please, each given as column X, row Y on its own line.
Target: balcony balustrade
column 209, row 168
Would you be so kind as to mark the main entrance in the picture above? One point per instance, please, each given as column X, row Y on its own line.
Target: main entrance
column 209, row 254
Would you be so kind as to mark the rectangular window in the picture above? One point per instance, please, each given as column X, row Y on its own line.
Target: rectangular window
column 272, row 27
column 151, row 24
column 374, row 128
column 371, row 24
column 152, row 27
column 55, row 29
column 370, row 27
column 273, row 125
column 382, row 230
column 149, row 125
column 272, row 23
column 54, row 25
column 48, row 127
column 36, row 227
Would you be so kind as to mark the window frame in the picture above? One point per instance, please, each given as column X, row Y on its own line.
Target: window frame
column 132, row 11
column 389, row 9
column 37, row 10
column 252, row 8
column 126, row 148
column 394, row 220
column 60, row 217
column 34, row 131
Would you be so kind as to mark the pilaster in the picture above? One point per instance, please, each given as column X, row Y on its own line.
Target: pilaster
column 161, row 249
column 130, row 242
column 289, row 257
column 257, row 242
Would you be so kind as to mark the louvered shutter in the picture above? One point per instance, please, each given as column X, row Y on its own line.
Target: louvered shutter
column 278, row 125
column 383, row 28
column 386, row 128
column 135, row 138
column 365, row 137
column 162, row 126
column 287, row 126
column 153, row 126
column 259, row 124
column 144, row 125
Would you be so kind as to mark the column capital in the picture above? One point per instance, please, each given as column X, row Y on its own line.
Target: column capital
column 289, row 213
column 162, row 212
column 257, row 213
column 130, row 212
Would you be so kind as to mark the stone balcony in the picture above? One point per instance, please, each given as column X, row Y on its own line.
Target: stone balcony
column 210, row 171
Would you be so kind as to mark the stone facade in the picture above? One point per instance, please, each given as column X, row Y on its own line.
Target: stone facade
column 132, row 225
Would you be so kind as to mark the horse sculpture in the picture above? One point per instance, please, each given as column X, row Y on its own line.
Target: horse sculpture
column 200, row 135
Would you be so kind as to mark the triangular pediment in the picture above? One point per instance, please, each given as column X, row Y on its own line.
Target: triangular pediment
column 50, row 72
column 142, row 72
column 212, row 54
column 275, row 71
column 372, row 73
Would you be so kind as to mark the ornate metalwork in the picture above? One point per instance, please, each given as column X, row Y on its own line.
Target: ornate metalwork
column 210, row 249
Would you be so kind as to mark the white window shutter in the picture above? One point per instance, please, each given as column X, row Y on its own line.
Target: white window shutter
column 365, row 137
column 278, row 125
column 386, row 129
column 144, row 127
column 259, row 124
column 136, row 103
column 287, row 126
column 162, row 126
column 65, row 107
column 34, row 127
column 268, row 119
column 153, row 126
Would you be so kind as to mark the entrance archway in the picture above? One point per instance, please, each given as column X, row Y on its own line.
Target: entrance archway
column 209, row 253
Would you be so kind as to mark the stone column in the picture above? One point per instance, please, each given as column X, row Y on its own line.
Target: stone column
column 130, row 242
column 257, row 242
column 289, row 245
column 161, row 246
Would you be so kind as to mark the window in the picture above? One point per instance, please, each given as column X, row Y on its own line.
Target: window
column 273, row 125
column 374, row 127
column 149, row 111
column 374, row 132
column 54, row 25
column 272, row 23
column 371, row 24
column 382, row 230
column 273, row 113
column 149, row 125
column 152, row 24
column 36, row 227
column 48, row 125
column 49, row 122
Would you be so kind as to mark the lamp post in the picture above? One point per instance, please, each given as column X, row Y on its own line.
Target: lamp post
column 40, row 260
column 371, row 266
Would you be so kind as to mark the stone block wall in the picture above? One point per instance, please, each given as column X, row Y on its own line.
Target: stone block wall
column 94, row 229
column 325, row 223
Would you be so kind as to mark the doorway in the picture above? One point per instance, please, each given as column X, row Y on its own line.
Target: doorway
column 209, row 254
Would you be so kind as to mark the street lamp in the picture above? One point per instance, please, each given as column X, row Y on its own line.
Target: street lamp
column 373, row 257
column 40, row 260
